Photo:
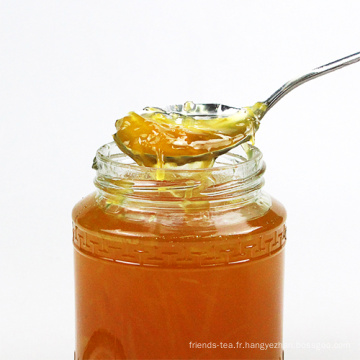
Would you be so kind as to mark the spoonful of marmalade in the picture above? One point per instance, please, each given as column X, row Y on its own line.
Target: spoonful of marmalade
column 196, row 134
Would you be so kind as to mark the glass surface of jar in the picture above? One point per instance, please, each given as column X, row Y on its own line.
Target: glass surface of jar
column 179, row 263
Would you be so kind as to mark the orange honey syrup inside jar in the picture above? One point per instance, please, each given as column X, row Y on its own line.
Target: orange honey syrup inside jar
column 182, row 258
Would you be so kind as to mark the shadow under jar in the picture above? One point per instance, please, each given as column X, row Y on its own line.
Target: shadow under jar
column 179, row 264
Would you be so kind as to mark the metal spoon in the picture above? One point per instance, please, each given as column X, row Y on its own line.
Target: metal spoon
column 211, row 111
column 206, row 110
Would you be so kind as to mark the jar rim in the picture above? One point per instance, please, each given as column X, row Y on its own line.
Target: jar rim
column 117, row 176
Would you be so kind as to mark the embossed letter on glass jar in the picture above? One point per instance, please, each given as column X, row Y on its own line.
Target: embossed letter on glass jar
column 179, row 264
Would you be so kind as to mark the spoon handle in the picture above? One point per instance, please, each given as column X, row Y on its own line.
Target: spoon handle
column 321, row 70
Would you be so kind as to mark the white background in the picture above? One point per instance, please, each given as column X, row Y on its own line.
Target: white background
column 69, row 69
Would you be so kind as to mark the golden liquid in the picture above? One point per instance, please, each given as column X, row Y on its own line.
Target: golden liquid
column 145, row 290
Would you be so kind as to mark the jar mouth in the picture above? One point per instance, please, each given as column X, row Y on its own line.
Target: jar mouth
column 234, row 176
column 110, row 156
column 234, row 179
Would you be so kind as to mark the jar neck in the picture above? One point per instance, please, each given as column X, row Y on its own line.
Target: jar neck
column 234, row 180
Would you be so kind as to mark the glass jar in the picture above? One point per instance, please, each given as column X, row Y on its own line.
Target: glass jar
column 179, row 263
